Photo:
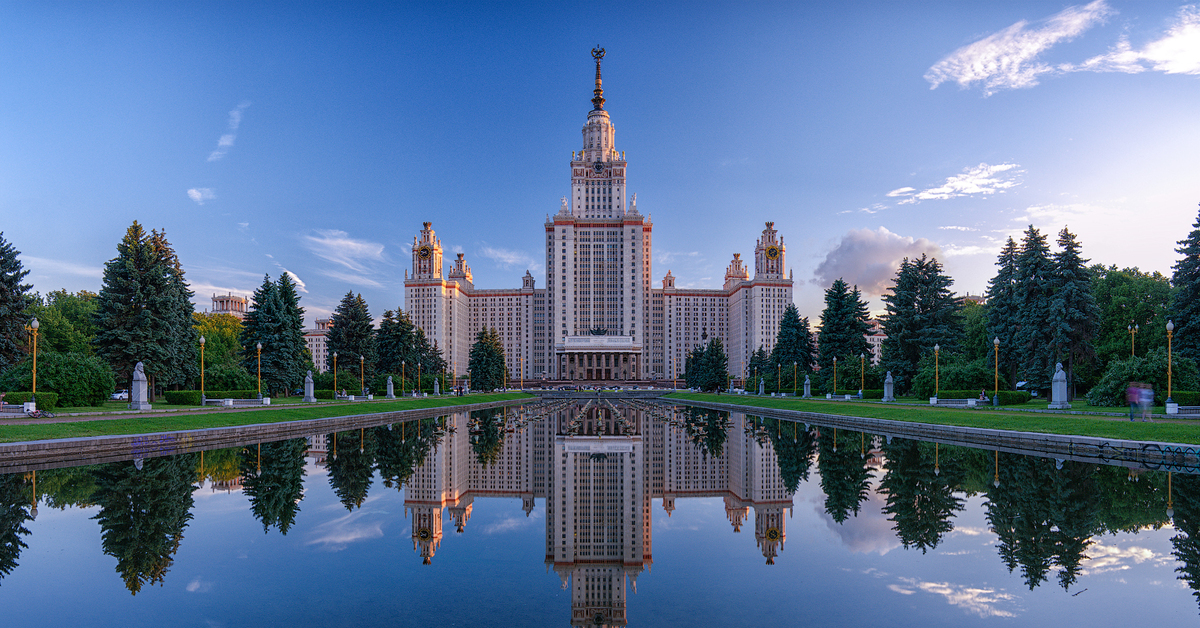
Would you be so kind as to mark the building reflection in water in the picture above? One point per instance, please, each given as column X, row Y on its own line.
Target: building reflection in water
column 598, row 466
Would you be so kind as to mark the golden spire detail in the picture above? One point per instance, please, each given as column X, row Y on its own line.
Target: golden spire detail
column 598, row 99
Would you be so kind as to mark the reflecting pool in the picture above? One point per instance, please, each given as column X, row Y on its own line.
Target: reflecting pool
column 598, row 513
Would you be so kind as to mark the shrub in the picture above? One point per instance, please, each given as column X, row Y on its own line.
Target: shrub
column 1152, row 369
column 232, row 394
column 182, row 397
column 867, row 394
column 1186, row 397
column 228, row 377
column 79, row 380
column 346, row 381
column 1014, row 397
column 975, row 375
column 45, row 400
column 323, row 394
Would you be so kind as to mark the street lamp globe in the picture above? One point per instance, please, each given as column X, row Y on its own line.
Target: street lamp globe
column 34, row 324
column 1170, row 326
column 201, row 340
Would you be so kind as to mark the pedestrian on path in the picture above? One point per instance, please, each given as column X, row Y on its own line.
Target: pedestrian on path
column 1146, row 398
column 1133, row 396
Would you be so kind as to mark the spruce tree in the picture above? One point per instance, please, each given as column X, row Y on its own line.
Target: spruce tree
column 1002, row 308
column 15, row 302
column 136, row 309
column 262, row 325
column 295, row 359
column 352, row 336
column 486, row 361
column 1034, row 292
column 394, row 342
column 793, row 342
column 1185, row 304
column 182, row 364
column 1075, row 314
column 921, row 313
column 843, row 327
column 760, row 365
column 715, row 365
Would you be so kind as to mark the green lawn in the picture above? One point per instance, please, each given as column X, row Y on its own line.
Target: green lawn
column 135, row 424
column 1046, row 423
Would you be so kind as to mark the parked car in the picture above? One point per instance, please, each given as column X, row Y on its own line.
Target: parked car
column 120, row 395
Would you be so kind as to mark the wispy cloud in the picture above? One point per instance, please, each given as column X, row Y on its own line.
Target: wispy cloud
column 980, row 602
column 198, row 586
column 981, row 180
column 226, row 140
column 350, row 278
column 201, row 194
column 42, row 266
column 1103, row 558
column 338, row 247
column 956, row 228
column 335, row 535
column 300, row 285
column 667, row 257
column 508, row 524
column 1176, row 52
column 1009, row 59
column 507, row 258
column 869, row 259
column 901, row 192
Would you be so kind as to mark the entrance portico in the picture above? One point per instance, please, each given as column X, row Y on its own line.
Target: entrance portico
column 598, row 358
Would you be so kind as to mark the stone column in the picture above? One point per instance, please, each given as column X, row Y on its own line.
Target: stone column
column 138, row 399
column 309, row 396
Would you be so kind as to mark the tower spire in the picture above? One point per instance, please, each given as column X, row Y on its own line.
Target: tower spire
column 598, row 99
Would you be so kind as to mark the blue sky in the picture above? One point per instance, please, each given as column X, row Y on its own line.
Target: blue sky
column 315, row 138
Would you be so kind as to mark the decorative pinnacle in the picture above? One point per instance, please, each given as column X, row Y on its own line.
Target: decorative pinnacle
column 598, row 99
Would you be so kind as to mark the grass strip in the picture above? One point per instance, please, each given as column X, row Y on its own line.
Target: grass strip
column 1044, row 423
column 195, row 421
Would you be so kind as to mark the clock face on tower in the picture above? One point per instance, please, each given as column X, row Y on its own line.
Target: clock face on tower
column 424, row 251
column 772, row 252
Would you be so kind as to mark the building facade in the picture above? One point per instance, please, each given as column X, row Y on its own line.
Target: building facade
column 599, row 318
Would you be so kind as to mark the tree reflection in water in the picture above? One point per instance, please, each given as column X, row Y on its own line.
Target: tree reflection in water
column 708, row 429
column 273, row 478
column 143, row 513
column 487, row 434
column 794, row 446
column 402, row 447
column 350, row 470
column 845, row 477
column 920, row 484
column 16, row 499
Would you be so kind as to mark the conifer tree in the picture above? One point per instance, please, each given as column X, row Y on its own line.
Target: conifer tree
column 182, row 365
column 295, row 357
column 793, row 342
column 486, row 361
column 1002, row 308
column 1075, row 314
column 138, row 307
column 15, row 302
column 921, row 313
column 760, row 365
column 352, row 335
column 1185, row 304
column 843, row 326
column 715, row 365
column 1034, row 293
column 395, row 342
column 262, row 325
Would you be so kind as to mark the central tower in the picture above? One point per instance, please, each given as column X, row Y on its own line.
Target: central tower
column 598, row 260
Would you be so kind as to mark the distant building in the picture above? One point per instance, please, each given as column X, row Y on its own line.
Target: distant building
column 980, row 299
column 229, row 304
column 315, row 339
column 875, row 338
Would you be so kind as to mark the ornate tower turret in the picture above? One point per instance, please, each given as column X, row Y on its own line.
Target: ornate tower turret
column 427, row 254
column 768, row 255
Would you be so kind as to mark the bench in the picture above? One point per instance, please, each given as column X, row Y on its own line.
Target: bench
column 953, row 403
column 238, row 403
column 1189, row 410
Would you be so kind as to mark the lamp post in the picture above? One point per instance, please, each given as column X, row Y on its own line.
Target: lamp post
column 835, row 378
column 335, row 388
column 202, row 368
column 862, row 372
column 996, row 371
column 778, row 374
column 1133, row 330
column 33, row 328
column 259, row 347
column 419, row 376
column 362, row 374
column 936, row 372
column 522, row 359
column 794, row 364
column 1170, row 332
column 402, row 364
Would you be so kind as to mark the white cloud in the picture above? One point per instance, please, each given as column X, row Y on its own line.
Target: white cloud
column 198, row 586
column 1103, row 558
column 506, row 258
column 1008, row 59
column 300, row 285
column 972, row 249
column 227, row 139
column 350, row 278
column 901, row 192
column 666, row 257
column 508, row 524
column 1176, row 52
column 242, row 226
column 983, row 179
column 42, row 266
column 335, row 535
column 201, row 194
column 957, row 228
column 980, row 602
column 869, row 259
column 338, row 247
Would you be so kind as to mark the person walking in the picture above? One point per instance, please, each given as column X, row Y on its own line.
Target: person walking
column 1133, row 396
column 1146, row 398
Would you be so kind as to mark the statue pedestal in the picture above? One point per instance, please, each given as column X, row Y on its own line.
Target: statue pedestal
column 1058, row 390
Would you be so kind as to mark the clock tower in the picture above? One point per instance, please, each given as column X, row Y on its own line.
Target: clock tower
column 427, row 254
column 768, row 255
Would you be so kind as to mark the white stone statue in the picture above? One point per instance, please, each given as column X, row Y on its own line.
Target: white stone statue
column 1058, row 389
column 138, row 397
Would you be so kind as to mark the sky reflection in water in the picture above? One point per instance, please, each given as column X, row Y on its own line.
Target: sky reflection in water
column 354, row 547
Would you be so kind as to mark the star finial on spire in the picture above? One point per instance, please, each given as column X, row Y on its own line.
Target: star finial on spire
column 598, row 99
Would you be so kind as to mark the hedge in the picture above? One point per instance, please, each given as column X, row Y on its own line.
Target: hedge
column 45, row 400
column 323, row 394
column 182, row 397
column 1014, row 397
column 231, row 394
column 1186, row 397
